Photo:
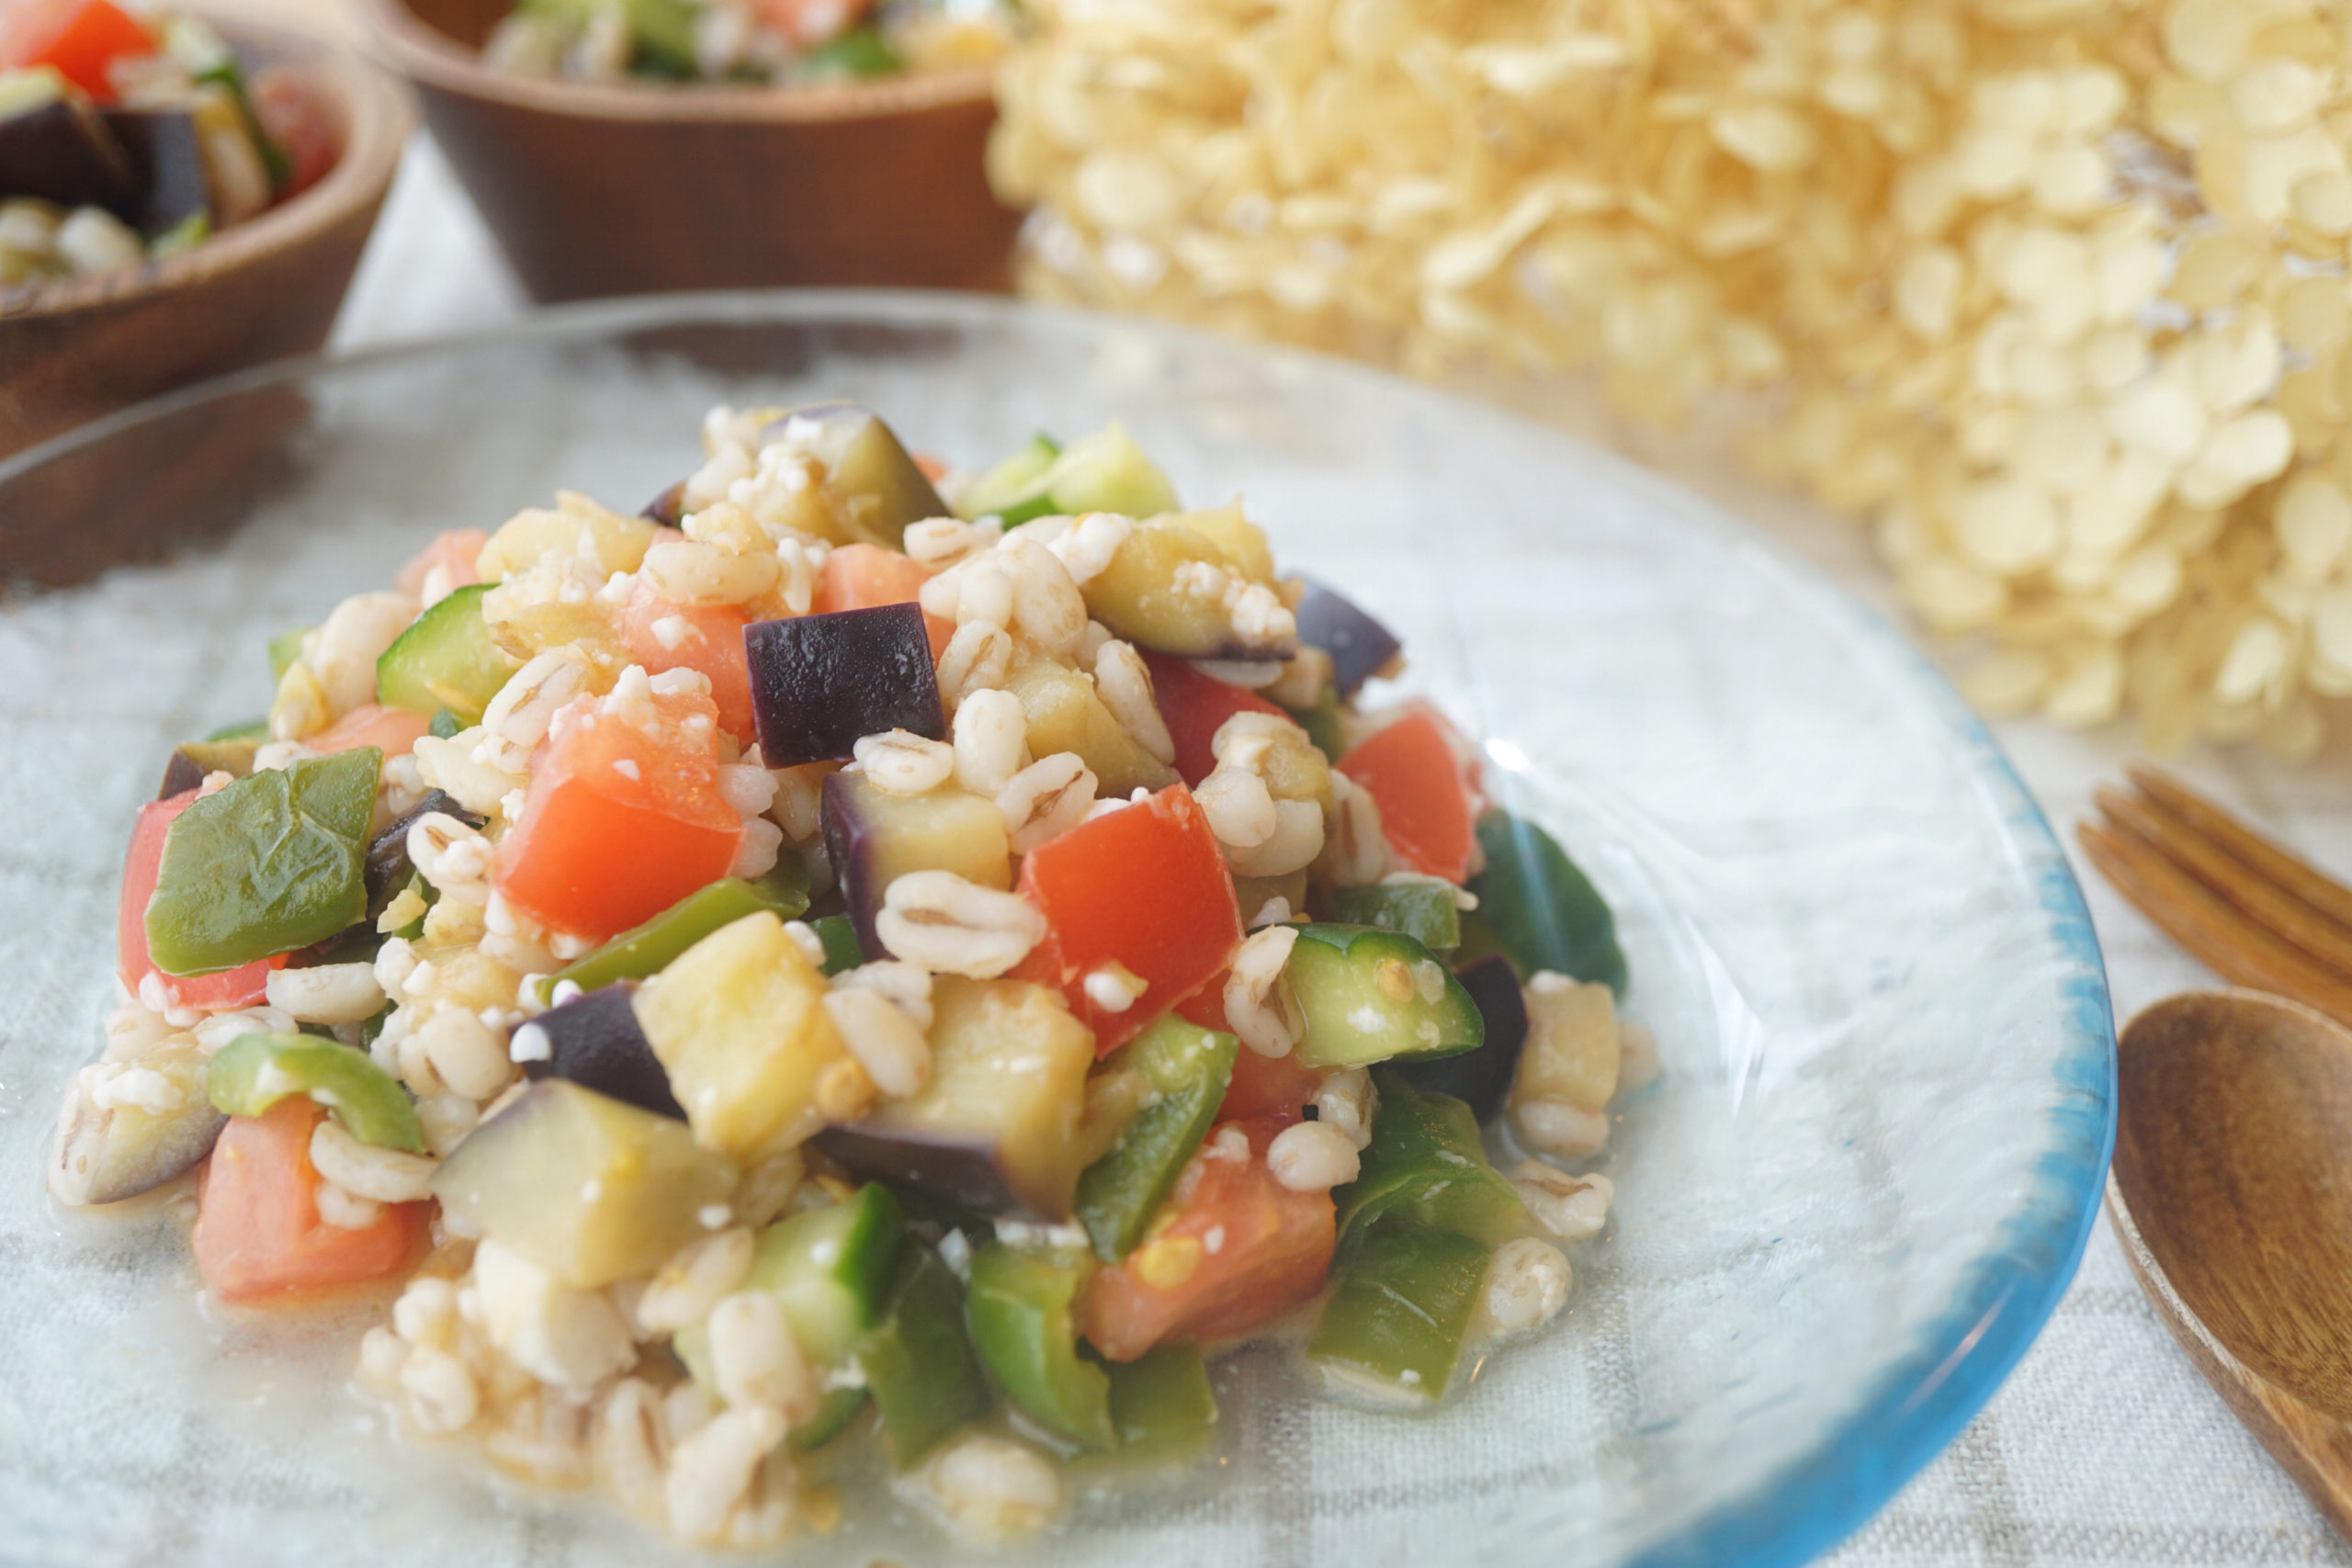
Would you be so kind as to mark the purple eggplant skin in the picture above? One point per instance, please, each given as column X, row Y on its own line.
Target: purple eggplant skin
column 963, row 1171
column 61, row 151
column 1360, row 647
column 1480, row 1078
column 595, row 1042
column 820, row 682
column 387, row 868
column 166, row 155
column 669, row 508
column 181, row 774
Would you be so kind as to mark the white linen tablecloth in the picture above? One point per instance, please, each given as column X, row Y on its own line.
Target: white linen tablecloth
column 2105, row 1448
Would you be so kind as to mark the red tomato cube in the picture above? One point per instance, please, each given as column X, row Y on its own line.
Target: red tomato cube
column 662, row 634
column 1194, row 706
column 258, row 1235
column 624, row 817
column 1143, row 886
column 1429, row 813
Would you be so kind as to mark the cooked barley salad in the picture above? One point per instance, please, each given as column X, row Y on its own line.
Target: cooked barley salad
column 812, row 980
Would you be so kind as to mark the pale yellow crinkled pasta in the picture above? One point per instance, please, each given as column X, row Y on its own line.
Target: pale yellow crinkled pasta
column 2051, row 292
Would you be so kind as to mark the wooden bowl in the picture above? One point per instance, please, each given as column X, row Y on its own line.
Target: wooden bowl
column 597, row 188
column 75, row 348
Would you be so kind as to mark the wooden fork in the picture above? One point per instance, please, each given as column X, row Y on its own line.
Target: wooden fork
column 2253, row 912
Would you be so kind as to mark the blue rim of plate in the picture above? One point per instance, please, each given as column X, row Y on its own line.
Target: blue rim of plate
column 1923, row 1401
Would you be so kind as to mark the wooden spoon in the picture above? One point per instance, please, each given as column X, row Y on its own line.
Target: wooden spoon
column 2232, row 1194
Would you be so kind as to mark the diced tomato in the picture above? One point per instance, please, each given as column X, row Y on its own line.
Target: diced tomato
column 238, row 987
column 456, row 552
column 1261, row 1086
column 811, row 22
column 934, row 468
column 1194, row 706
column 1143, row 886
column 860, row 577
column 295, row 117
column 80, row 38
column 1428, row 812
column 664, row 633
column 624, row 817
column 1274, row 1252
column 258, row 1234
column 371, row 723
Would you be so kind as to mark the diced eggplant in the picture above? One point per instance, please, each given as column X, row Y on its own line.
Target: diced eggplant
column 669, row 508
column 105, row 1154
column 873, row 838
column 996, row 1130
column 874, row 480
column 60, row 150
column 739, row 1022
column 588, row 1187
column 166, row 157
column 1360, row 647
column 819, row 683
column 595, row 1039
column 1064, row 712
column 1150, row 594
column 192, row 759
column 388, row 867
column 1481, row 1078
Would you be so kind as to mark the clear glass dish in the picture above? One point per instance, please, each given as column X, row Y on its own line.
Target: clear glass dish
column 1847, row 1207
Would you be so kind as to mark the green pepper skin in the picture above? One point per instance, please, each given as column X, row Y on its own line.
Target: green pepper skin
column 270, row 863
column 1188, row 1068
column 843, row 950
column 1021, row 1307
column 255, row 730
column 1426, row 1166
column 919, row 1364
column 1401, row 1301
column 445, row 726
column 254, row 1071
column 1546, row 912
column 1373, row 996
column 1322, row 724
column 1422, row 911
column 834, row 1412
column 645, row 950
column 1161, row 1404
column 858, row 53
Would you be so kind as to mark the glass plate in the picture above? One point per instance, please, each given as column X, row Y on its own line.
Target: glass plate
column 1847, row 1206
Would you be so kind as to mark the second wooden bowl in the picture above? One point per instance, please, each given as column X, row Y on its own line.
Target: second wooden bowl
column 627, row 188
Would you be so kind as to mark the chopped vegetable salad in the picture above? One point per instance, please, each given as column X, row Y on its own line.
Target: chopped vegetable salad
column 858, row 960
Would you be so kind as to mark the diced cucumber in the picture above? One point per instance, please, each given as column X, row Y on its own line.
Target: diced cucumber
column 1372, row 995
column 647, row 950
column 284, row 649
column 1021, row 1306
column 1402, row 1298
column 254, row 1071
column 1104, row 472
column 1161, row 1404
column 1188, row 1068
column 919, row 1364
column 586, row 1187
column 1426, row 1166
column 830, row 1269
column 1422, row 911
column 445, row 659
column 1546, row 912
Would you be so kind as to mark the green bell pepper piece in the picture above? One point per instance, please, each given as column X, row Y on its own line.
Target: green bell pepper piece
column 1426, row 1166
column 1371, row 995
column 919, row 1365
column 861, row 52
column 253, row 729
column 785, row 885
column 1322, row 725
column 284, row 649
column 254, row 1071
column 843, row 950
column 1161, row 1404
column 270, row 863
column 445, row 726
column 834, row 1412
column 1188, row 1068
column 645, row 950
column 1402, row 1298
column 1021, row 1306
column 1546, row 912
column 1422, row 911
